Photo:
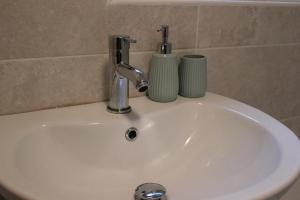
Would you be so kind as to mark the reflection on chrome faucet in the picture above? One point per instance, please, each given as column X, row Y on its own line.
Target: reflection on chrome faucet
column 120, row 74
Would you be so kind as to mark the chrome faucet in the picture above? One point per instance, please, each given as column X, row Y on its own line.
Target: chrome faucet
column 120, row 74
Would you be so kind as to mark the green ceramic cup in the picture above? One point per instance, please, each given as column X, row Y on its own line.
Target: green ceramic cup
column 193, row 76
column 163, row 78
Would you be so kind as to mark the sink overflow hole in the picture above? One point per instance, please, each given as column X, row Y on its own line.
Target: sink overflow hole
column 131, row 134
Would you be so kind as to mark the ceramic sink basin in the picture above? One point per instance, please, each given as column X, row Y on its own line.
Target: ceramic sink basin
column 208, row 148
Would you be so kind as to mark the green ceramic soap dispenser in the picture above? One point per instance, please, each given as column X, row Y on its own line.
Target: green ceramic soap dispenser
column 163, row 74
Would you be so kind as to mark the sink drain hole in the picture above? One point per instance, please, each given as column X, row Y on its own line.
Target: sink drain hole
column 131, row 134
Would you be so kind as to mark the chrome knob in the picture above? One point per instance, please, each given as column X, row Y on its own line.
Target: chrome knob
column 150, row 191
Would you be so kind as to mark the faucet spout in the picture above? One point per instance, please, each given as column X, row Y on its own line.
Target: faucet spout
column 135, row 75
column 120, row 74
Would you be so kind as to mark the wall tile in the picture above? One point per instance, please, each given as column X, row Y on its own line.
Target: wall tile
column 37, row 28
column 226, row 25
column 257, row 76
column 265, row 77
column 141, row 22
column 33, row 29
column 221, row 26
column 278, row 25
column 72, row 27
column 33, row 84
column 294, row 124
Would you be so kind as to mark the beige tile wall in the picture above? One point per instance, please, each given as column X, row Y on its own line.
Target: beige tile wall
column 255, row 75
column 247, row 25
column 293, row 123
column 54, row 53
column 35, row 28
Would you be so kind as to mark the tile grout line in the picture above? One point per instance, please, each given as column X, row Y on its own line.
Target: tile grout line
column 150, row 51
column 251, row 46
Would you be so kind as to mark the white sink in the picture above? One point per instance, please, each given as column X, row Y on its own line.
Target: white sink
column 208, row 148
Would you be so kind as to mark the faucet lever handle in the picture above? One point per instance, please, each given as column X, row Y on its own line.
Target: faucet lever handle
column 120, row 42
column 130, row 40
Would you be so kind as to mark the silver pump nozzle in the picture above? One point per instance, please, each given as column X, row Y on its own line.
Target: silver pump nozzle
column 165, row 47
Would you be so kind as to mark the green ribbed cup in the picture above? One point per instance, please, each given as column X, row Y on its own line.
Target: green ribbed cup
column 193, row 76
column 163, row 78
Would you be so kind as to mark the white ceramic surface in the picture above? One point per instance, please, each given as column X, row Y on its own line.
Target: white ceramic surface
column 208, row 148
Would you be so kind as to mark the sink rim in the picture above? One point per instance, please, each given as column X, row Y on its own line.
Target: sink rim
column 285, row 138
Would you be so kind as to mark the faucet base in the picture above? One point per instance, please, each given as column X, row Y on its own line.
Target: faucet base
column 119, row 111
